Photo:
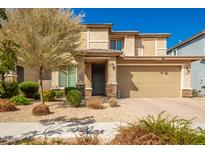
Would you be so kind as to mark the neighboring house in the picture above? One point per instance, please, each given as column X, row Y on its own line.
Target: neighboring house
column 195, row 45
column 123, row 64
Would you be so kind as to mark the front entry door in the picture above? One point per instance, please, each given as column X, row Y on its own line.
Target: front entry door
column 98, row 79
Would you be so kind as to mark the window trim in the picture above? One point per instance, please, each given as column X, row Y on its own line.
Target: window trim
column 116, row 44
column 66, row 77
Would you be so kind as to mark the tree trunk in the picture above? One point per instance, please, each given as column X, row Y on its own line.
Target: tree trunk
column 41, row 83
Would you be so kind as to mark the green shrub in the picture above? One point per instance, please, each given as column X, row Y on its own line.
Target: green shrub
column 37, row 96
column 8, row 89
column 74, row 98
column 68, row 89
column 29, row 88
column 20, row 100
column 195, row 93
column 59, row 93
column 173, row 131
column 49, row 95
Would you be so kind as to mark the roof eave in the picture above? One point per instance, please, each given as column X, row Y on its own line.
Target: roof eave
column 156, row 35
column 180, row 58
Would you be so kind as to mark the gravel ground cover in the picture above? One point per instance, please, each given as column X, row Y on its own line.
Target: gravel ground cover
column 128, row 111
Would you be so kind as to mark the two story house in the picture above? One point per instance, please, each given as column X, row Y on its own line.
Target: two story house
column 194, row 45
column 122, row 64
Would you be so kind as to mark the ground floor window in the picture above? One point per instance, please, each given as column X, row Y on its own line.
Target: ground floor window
column 67, row 78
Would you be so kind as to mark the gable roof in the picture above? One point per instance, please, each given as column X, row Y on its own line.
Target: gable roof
column 188, row 40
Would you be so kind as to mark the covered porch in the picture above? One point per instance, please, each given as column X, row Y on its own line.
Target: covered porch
column 97, row 73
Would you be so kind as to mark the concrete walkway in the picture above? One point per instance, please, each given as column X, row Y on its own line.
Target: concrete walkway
column 62, row 129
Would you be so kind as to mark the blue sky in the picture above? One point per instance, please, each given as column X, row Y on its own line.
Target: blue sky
column 181, row 23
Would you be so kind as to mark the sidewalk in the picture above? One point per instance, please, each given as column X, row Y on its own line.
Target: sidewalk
column 61, row 129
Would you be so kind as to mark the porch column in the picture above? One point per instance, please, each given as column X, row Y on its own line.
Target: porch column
column 80, row 75
column 111, row 86
column 11, row 76
column 88, row 79
column 186, row 90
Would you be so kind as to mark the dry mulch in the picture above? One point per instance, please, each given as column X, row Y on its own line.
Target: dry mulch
column 59, row 109
column 128, row 111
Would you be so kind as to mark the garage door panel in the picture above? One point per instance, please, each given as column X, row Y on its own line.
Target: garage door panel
column 149, row 81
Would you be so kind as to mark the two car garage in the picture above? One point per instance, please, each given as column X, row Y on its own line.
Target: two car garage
column 149, row 81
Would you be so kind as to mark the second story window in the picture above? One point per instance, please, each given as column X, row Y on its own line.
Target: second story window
column 116, row 45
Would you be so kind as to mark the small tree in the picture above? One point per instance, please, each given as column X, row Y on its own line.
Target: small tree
column 49, row 39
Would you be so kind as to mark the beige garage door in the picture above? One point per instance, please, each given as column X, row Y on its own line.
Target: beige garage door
column 149, row 81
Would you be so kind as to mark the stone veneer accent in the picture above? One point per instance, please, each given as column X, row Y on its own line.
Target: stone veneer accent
column 81, row 87
column 186, row 92
column 88, row 92
column 111, row 90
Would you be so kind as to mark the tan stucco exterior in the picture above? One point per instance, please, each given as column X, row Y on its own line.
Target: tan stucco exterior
column 88, row 75
column 141, row 62
column 112, row 70
column 30, row 74
column 97, row 38
column 149, row 47
column 130, row 46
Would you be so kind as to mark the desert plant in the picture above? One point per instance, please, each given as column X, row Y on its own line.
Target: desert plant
column 195, row 93
column 66, row 89
column 113, row 102
column 6, row 105
column 29, row 88
column 8, row 89
column 20, row 100
column 83, row 140
column 43, row 141
column 173, row 131
column 94, row 103
column 74, row 98
column 37, row 96
column 49, row 95
column 133, row 134
column 40, row 110
column 87, row 140
column 59, row 93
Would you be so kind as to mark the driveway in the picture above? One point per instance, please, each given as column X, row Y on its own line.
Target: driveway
column 182, row 107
